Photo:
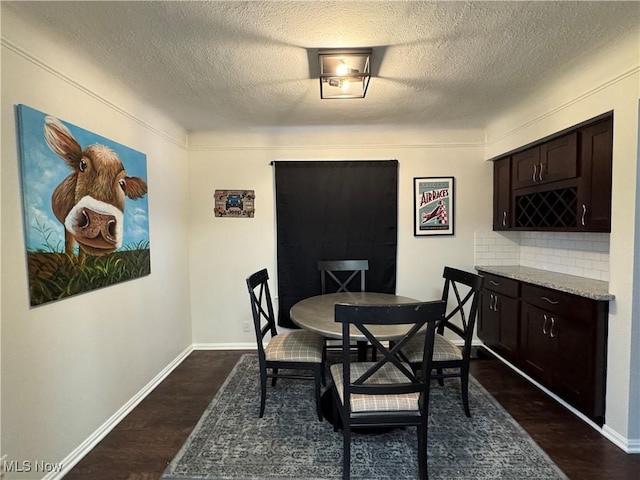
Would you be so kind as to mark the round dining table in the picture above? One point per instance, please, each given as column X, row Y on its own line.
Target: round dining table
column 316, row 314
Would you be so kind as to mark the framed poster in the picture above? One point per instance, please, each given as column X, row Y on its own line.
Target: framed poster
column 433, row 209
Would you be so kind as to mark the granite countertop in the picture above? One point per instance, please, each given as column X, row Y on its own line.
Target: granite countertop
column 584, row 287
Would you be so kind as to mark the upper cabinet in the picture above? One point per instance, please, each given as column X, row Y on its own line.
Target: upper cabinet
column 594, row 185
column 562, row 183
column 552, row 161
column 502, row 194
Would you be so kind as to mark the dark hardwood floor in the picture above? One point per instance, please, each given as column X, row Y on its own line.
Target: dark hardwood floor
column 142, row 445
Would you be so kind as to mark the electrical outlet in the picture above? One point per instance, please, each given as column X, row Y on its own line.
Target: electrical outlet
column 245, row 327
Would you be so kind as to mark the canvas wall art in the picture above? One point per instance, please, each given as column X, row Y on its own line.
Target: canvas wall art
column 86, row 215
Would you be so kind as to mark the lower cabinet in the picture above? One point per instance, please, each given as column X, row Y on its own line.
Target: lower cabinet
column 560, row 341
column 498, row 324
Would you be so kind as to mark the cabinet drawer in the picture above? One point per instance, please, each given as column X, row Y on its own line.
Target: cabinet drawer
column 559, row 303
column 499, row 284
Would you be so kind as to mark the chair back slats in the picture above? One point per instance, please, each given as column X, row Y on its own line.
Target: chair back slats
column 418, row 315
column 342, row 273
column 465, row 304
column 261, row 307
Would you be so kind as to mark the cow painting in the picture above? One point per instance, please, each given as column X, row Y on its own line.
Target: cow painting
column 85, row 206
column 90, row 201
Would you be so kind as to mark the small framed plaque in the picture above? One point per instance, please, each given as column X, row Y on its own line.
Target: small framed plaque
column 234, row 203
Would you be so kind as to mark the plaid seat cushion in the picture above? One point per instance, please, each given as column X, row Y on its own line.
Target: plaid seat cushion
column 296, row 346
column 443, row 349
column 376, row 403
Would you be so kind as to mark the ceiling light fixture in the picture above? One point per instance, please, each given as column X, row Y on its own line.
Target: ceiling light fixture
column 344, row 73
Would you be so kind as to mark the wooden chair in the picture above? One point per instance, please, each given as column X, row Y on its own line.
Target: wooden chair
column 297, row 350
column 449, row 360
column 386, row 392
column 341, row 276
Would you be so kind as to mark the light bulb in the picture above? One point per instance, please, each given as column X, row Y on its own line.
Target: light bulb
column 345, row 85
column 342, row 69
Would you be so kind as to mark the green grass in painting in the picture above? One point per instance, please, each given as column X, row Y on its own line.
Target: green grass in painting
column 45, row 235
column 54, row 275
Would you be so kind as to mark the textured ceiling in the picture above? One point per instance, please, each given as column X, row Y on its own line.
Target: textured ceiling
column 212, row 65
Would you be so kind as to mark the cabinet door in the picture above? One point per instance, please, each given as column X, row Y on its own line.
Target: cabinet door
column 502, row 194
column 508, row 326
column 594, row 188
column 559, row 159
column 574, row 371
column 488, row 321
column 525, row 166
column 536, row 347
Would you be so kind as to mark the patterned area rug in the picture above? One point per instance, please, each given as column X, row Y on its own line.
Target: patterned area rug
column 231, row 442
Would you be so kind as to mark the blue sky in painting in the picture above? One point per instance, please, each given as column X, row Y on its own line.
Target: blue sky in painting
column 42, row 171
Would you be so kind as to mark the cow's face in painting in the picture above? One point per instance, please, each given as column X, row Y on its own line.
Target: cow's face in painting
column 89, row 202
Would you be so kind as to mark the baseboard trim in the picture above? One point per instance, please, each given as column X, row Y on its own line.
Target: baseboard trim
column 625, row 444
column 85, row 447
column 225, row 346
column 633, row 446
column 628, row 445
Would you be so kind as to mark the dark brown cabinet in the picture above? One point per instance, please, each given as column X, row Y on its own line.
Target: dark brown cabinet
column 558, row 339
column 559, row 159
column 498, row 325
column 594, row 186
column 562, row 345
column 525, row 167
column 502, row 194
column 549, row 162
column 560, row 184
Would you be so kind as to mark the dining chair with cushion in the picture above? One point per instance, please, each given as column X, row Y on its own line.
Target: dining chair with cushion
column 462, row 293
column 344, row 276
column 387, row 392
column 295, row 351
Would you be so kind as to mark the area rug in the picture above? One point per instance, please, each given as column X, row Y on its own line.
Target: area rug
column 231, row 442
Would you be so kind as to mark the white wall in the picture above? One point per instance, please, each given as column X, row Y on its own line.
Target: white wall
column 69, row 366
column 609, row 82
column 224, row 251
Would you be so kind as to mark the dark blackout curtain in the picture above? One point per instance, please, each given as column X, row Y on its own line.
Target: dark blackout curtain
column 334, row 210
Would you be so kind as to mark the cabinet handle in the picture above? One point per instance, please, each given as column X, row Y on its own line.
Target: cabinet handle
column 584, row 213
column 535, row 170
column 492, row 301
column 540, row 172
column 495, row 303
column 552, row 302
column 544, row 324
column 504, row 218
column 553, row 324
column 497, row 284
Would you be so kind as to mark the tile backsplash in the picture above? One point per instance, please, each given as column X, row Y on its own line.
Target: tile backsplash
column 581, row 254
